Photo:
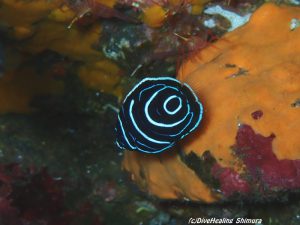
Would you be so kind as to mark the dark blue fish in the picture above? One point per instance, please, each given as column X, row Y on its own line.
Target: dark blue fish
column 156, row 114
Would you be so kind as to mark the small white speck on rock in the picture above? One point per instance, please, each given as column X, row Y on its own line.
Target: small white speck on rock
column 235, row 19
column 294, row 24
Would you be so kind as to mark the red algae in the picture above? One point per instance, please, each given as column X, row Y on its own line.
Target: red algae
column 262, row 164
column 257, row 114
column 263, row 172
column 230, row 181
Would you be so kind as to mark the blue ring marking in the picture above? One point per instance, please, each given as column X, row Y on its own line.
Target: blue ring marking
column 138, row 129
column 175, row 110
column 146, row 89
column 156, row 123
column 149, row 79
column 156, row 151
column 124, row 133
column 200, row 106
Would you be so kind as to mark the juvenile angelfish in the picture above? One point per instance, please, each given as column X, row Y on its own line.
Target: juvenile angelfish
column 156, row 114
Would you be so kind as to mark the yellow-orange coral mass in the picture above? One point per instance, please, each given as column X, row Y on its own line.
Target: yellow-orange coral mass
column 252, row 69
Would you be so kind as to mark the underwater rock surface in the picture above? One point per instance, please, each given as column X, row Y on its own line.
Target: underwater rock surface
column 248, row 144
column 58, row 162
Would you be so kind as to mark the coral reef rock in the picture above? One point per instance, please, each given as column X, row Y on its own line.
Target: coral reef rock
column 248, row 145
